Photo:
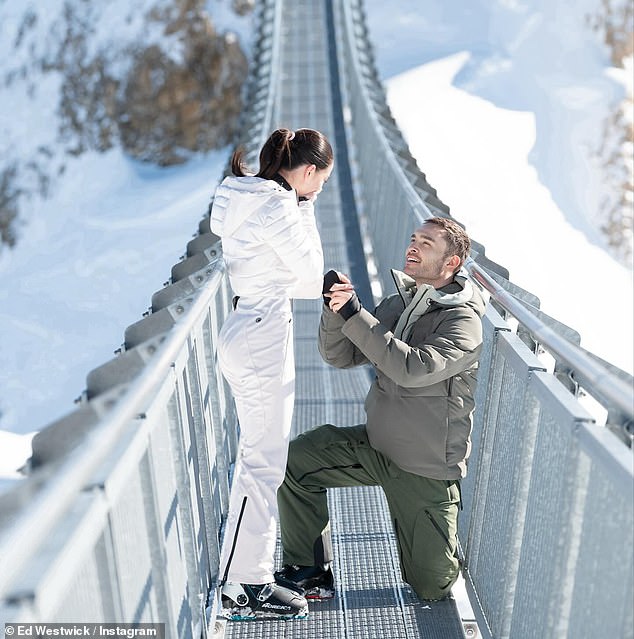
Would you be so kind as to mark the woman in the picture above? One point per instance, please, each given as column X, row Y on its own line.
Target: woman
column 273, row 253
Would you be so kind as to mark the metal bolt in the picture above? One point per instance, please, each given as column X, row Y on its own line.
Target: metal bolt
column 470, row 630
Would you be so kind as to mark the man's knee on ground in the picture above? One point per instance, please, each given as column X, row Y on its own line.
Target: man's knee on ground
column 433, row 586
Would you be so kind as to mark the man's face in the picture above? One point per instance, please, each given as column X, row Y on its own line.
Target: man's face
column 425, row 260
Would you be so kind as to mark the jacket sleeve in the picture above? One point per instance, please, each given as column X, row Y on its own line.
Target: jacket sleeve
column 335, row 348
column 451, row 349
column 292, row 233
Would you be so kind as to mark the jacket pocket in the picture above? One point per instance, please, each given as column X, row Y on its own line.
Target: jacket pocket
column 437, row 527
column 440, row 389
column 434, row 566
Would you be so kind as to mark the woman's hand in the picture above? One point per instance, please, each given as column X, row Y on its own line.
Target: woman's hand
column 331, row 278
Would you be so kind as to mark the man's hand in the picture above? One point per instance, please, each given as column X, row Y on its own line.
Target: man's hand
column 344, row 300
column 339, row 294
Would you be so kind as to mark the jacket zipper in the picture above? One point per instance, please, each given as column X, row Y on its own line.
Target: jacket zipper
column 398, row 289
column 407, row 321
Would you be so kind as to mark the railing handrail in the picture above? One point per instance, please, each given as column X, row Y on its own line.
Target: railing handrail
column 589, row 372
column 265, row 124
column 33, row 523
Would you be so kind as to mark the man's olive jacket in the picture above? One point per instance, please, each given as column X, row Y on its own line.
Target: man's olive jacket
column 424, row 345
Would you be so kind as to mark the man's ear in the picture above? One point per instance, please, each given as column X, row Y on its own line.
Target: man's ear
column 453, row 262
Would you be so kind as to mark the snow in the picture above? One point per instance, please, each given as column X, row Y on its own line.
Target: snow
column 15, row 451
column 500, row 102
column 86, row 267
column 537, row 56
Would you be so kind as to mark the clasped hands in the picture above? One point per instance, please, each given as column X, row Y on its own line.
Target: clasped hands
column 339, row 294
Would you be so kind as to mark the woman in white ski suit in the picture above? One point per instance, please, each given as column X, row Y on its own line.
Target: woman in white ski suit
column 273, row 253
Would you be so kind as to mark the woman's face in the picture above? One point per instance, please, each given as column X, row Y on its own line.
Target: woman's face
column 313, row 180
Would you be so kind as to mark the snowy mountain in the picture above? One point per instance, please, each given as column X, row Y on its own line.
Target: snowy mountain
column 156, row 78
column 567, row 63
column 503, row 103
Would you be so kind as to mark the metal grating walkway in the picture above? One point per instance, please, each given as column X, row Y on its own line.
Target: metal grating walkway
column 371, row 601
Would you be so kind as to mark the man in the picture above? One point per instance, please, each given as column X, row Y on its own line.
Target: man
column 424, row 344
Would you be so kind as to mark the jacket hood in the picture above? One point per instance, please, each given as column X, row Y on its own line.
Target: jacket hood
column 237, row 198
column 419, row 300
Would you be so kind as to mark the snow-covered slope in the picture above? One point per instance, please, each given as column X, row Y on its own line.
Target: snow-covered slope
column 98, row 232
column 550, row 58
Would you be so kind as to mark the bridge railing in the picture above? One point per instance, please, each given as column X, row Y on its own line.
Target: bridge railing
column 547, row 524
column 123, row 526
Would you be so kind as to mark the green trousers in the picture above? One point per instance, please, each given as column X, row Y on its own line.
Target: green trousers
column 424, row 511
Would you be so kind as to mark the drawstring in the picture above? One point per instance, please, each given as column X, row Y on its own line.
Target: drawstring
column 235, row 541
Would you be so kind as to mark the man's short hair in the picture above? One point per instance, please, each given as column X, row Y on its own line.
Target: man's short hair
column 458, row 242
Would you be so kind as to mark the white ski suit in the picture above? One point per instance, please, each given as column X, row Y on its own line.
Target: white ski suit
column 273, row 253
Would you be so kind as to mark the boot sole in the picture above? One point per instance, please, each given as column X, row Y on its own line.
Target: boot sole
column 319, row 594
column 246, row 614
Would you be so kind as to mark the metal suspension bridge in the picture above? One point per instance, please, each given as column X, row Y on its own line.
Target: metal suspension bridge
column 120, row 518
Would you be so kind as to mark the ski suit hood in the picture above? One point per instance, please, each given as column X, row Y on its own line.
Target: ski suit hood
column 238, row 198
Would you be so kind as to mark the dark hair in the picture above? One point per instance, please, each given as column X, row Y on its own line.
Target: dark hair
column 458, row 242
column 286, row 149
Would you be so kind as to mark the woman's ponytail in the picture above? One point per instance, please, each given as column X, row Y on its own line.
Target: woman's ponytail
column 286, row 149
column 276, row 153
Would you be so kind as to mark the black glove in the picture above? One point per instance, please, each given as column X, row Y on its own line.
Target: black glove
column 330, row 278
column 351, row 307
